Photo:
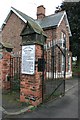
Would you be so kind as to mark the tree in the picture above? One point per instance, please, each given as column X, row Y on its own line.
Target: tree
column 73, row 12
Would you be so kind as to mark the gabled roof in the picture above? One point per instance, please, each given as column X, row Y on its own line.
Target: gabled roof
column 20, row 14
column 54, row 20
column 51, row 20
column 17, row 12
column 37, row 28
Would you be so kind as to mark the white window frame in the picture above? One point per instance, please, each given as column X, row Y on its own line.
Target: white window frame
column 62, row 64
column 62, row 37
column 69, row 63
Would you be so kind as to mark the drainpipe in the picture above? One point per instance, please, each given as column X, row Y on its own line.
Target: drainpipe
column 52, row 55
column 64, row 65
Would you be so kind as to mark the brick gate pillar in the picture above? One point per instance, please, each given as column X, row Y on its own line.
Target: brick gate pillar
column 31, row 69
column 31, row 84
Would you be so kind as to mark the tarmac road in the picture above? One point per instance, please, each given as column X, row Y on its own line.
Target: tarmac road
column 64, row 107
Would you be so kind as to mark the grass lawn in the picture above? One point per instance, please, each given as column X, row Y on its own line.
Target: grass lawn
column 76, row 69
column 11, row 100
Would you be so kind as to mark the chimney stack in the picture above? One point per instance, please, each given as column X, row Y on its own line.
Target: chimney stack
column 40, row 12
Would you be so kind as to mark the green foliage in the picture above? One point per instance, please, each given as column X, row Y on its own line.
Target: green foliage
column 13, row 99
column 25, row 103
column 16, row 83
column 33, row 108
column 75, row 69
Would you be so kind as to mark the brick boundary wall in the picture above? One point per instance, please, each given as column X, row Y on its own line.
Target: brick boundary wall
column 5, row 69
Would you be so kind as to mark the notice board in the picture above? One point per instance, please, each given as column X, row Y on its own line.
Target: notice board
column 28, row 59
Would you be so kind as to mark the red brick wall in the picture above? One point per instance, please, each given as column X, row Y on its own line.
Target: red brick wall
column 5, row 69
column 12, row 30
column 62, row 28
column 0, row 71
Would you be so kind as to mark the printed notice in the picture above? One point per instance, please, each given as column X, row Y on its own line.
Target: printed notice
column 28, row 59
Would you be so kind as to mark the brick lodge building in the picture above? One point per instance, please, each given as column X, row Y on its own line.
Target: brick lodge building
column 57, row 30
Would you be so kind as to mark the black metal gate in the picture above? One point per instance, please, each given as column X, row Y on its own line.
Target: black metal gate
column 15, row 73
column 55, row 69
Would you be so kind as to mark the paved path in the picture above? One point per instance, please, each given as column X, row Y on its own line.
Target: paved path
column 64, row 107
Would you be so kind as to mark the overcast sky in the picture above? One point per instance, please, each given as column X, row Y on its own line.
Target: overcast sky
column 27, row 6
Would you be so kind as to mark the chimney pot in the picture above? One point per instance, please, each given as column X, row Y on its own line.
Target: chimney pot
column 40, row 12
